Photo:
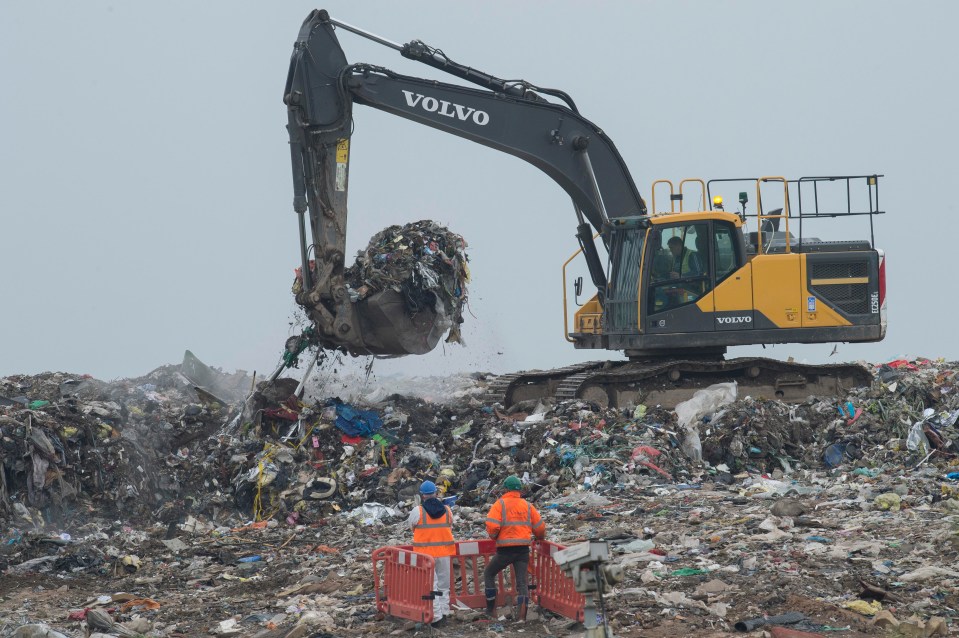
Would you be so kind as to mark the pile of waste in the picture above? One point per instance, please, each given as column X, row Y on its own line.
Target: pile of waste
column 173, row 513
column 72, row 446
column 424, row 262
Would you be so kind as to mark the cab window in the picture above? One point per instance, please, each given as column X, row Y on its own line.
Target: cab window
column 725, row 250
column 679, row 272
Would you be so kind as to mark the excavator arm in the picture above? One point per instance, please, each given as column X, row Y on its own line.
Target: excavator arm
column 509, row 116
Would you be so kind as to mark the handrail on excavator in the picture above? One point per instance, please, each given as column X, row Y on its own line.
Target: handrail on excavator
column 678, row 197
column 762, row 217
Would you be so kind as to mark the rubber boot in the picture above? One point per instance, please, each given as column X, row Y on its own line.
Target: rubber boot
column 522, row 606
column 490, row 601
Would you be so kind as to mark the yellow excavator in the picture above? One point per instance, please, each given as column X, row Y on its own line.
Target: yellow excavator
column 677, row 286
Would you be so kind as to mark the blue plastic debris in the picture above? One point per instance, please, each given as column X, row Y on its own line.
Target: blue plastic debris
column 354, row 422
column 834, row 454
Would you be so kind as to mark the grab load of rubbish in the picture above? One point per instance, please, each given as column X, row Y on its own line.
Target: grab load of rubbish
column 424, row 263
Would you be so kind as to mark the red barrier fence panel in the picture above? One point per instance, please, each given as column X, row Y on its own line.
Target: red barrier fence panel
column 466, row 581
column 554, row 590
column 402, row 581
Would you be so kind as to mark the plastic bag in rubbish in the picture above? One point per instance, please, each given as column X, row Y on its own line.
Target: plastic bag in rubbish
column 917, row 440
column 692, row 446
column 373, row 512
column 638, row 545
column 705, row 402
column 834, row 454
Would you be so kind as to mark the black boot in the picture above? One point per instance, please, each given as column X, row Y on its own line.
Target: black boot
column 490, row 601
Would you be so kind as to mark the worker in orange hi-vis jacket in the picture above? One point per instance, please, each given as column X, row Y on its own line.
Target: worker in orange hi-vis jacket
column 432, row 525
column 513, row 523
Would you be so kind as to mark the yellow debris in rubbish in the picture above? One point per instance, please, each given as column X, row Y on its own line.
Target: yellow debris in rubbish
column 862, row 607
column 889, row 501
column 131, row 562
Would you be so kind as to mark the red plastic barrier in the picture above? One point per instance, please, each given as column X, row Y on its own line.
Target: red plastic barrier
column 403, row 580
column 554, row 590
column 466, row 581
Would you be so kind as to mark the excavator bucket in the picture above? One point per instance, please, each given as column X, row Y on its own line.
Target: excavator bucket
column 409, row 291
column 388, row 329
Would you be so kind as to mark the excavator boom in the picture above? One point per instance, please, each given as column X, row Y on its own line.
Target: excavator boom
column 510, row 117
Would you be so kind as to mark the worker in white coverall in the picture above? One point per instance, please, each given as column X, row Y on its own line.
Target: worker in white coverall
column 432, row 525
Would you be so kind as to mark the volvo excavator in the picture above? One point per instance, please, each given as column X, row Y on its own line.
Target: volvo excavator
column 676, row 287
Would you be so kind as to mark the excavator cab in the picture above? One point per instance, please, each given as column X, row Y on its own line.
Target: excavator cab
column 693, row 283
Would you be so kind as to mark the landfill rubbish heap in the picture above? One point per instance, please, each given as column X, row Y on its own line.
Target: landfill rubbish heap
column 157, row 507
column 422, row 261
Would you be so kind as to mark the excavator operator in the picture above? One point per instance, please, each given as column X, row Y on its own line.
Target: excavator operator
column 685, row 262
column 677, row 262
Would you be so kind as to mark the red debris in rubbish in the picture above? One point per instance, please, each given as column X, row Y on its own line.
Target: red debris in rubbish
column 855, row 417
column 645, row 450
column 901, row 363
column 78, row 615
column 139, row 603
column 256, row 525
column 351, row 440
column 325, row 549
column 656, row 468
column 282, row 413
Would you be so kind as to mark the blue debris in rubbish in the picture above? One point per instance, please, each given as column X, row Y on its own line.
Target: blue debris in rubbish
column 354, row 422
column 250, row 559
column 847, row 410
column 819, row 539
column 953, row 476
column 834, row 454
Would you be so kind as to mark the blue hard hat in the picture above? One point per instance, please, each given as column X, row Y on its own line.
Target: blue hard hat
column 428, row 487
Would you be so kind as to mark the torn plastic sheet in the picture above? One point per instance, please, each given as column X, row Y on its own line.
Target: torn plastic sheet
column 354, row 422
column 372, row 512
column 705, row 402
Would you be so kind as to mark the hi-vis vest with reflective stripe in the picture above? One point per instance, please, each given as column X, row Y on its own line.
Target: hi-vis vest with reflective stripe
column 434, row 536
column 513, row 523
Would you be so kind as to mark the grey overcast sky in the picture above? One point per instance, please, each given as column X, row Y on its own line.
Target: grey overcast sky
column 145, row 190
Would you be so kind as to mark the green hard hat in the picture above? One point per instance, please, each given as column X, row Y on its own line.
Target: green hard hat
column 513, row 483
